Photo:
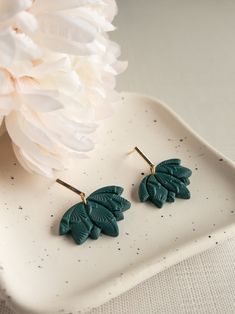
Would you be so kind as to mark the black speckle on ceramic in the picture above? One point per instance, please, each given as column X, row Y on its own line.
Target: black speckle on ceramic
column 33, row 205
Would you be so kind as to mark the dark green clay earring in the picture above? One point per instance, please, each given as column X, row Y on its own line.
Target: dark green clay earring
column 167, row 181
column 96, row 214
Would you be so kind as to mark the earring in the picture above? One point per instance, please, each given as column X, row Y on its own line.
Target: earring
column 167, row 181
column 96, row 214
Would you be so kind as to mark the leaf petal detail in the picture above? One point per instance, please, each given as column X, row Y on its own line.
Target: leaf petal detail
column 113, row 189
column 77, row 214
column 158, row 194
column 112, row 202
column 173, row 184
column 95, row 233
column 103, row 218
column 65, row 221
column 170, row 197
column 80, row 232
column 174, row 170
column 100, row 214
column 173, row 161
column 169, row 181
column 143, row 192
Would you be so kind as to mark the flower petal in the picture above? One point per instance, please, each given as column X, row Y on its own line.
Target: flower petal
column 31, row 167
column 57, row 5
column 7, row 103
column 25, row 47
column 33, row 152
column 64, row 45
column 42, row 103
column 96, row 18
column 67, row 27
column 6, row 83
column 70, row 133
column 26, row 21
column 7, row 49
column 9, row 8
column 31, row 126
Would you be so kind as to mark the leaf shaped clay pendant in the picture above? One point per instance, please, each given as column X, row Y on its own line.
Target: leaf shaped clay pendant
column 100, row 213
column 169, row 181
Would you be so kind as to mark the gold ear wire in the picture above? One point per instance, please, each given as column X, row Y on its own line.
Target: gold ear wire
column 81, row 194
column 152, row 166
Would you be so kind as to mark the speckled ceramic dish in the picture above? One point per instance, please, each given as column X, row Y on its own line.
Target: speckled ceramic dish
column 41, row 272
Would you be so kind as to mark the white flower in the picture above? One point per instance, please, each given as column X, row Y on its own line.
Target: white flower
column 43, row 116
column 57, row 76
column 71, row 26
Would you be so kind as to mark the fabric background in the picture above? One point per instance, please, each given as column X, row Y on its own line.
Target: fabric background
column 183, row 52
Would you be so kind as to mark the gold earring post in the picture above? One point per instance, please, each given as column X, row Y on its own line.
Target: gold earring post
column 152, row 166
column 81, row 194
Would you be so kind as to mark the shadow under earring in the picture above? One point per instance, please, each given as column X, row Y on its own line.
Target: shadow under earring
column 165, row 182
column 96, row 214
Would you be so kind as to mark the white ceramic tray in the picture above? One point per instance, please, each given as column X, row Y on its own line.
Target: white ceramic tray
column 41, row 272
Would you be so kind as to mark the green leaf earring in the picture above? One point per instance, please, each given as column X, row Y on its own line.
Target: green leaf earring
column 96, row 214
column 167, row 181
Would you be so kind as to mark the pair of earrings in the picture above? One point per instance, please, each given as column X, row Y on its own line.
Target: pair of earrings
column 99, row 212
